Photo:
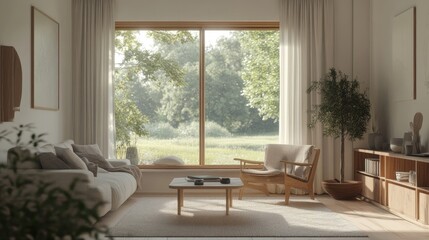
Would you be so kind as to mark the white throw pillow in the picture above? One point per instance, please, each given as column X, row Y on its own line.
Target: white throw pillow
column 169, row 160
column 66, row 144
column 46, row 149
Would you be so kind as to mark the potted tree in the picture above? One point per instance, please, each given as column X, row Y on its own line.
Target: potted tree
column 344, row 112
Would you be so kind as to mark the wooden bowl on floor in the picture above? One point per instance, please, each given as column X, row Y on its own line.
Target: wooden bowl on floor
column 342, row 191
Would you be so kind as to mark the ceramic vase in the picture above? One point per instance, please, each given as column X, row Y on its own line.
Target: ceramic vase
column 371, row 140
column 375, row 141
column 378, row 142
column 132, row 155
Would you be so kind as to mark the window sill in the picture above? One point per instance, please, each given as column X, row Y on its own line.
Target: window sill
column 190, row 167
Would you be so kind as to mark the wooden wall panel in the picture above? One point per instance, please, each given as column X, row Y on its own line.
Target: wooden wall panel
column 422, row 174
column 394, row 165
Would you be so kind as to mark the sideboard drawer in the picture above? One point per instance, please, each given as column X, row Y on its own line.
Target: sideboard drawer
column 402, row 200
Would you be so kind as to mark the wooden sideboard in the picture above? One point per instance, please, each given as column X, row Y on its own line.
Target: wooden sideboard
column 410, row 201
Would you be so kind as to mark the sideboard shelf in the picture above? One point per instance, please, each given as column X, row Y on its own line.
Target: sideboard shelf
column 404, row 184
column 411, row 201
column 368, row 174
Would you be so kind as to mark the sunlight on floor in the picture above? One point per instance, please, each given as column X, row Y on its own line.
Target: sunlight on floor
column 376, row 222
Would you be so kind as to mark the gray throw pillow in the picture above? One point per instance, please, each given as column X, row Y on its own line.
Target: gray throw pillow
column 49, row 160
column 92, row 167
column 97, row 159
column 22, row 158
column 70, row 158
column 89, row 149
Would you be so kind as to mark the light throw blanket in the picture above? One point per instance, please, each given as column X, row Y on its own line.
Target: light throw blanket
column 104, row 164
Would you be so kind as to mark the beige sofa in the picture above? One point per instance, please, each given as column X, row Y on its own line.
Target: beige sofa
column 112, row 188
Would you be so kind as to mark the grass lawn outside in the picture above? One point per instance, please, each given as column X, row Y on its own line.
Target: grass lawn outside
column 219, row 150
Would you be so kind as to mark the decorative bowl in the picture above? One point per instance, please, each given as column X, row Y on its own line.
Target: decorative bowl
column 396, row 144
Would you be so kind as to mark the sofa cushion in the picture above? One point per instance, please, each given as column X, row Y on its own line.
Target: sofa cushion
column 49, row 160
column 70, row 158
column 271, row 172
column 102, row 192
column 92, row 192
column 292, row 153
column 123, row 185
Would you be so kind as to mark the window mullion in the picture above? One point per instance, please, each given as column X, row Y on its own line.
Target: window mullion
column 202, row 98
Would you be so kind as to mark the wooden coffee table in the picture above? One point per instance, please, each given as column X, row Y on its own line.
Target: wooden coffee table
column 181, row 183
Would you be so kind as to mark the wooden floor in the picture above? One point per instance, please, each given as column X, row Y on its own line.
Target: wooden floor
column 376, row 222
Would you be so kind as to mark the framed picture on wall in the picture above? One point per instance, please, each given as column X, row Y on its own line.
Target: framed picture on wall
column 404, row 55
column 44, row 61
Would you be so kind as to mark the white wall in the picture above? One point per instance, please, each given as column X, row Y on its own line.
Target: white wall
column 351, row 38
column 15, row 30
column 197, row 10
column 352, row 54
column 394, row 116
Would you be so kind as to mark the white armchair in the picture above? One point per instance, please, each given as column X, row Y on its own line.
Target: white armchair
column 291, row 165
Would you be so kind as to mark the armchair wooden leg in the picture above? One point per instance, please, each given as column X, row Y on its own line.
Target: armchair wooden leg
column 287, row 194
column 311, row 192
column 240, row 193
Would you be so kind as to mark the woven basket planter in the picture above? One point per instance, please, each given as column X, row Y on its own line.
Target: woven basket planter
column 342, row 191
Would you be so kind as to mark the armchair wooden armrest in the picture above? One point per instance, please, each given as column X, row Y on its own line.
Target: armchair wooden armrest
column 248, row 161
column 296, row 163
column 244, row 163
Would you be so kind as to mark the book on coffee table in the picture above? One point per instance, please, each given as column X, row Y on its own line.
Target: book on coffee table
column 205, row 178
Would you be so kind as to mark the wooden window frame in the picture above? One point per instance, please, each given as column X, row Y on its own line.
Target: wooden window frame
column 201, row 27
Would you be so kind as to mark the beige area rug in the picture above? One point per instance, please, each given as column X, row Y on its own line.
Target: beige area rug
column 204, row 216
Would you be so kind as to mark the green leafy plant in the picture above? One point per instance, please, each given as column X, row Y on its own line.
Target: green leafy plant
column 139, row 67
column 161, row 130
column 344, row 111
column 32, row 208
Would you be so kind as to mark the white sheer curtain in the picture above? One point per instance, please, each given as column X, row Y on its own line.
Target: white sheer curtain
column 306, row 53
column 93, row 51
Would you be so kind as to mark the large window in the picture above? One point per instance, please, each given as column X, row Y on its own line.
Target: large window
column 201, row 93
